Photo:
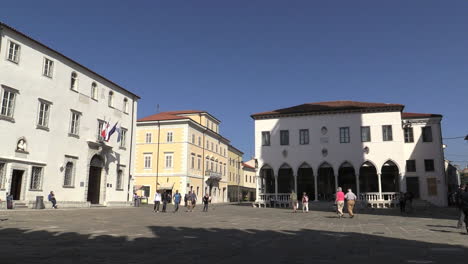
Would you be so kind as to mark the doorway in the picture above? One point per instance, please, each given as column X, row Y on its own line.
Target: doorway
column 412, row 185
column 94, row 181
column 16, row 182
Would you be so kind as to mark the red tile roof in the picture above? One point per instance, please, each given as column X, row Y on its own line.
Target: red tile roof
column 73, row 61
column 418, row 115
column 170, row 115
column 331, row 106
column 247, row 165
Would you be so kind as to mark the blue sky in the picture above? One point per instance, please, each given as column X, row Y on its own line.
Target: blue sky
column 235, row 58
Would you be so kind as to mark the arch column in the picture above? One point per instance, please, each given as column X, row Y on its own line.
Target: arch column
column 276, row 188
column 379, row 177
column 258, row 184
column 358, row 188
column 336, row 179
column 295, row 183
column 316, row 187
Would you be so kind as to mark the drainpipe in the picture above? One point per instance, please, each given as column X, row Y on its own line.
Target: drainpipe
column 131, row 151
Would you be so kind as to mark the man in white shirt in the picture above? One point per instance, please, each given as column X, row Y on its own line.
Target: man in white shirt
column 157, row 201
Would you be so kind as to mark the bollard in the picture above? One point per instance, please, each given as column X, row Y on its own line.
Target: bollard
column 39, row 202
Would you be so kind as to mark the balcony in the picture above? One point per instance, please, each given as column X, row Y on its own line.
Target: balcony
column 213, row 175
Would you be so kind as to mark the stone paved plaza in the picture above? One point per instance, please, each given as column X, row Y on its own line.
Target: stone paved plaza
column 230, row 234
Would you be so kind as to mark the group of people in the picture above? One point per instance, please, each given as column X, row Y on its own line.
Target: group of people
column 406, row 202
column 51, row 198
column 340, row 198
column 190, row 201
column 461, row 200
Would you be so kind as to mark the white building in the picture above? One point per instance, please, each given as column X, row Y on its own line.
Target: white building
column 51, row 110
column 373, row 148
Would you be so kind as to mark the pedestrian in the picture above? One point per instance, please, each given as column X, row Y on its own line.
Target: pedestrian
column 51, row 198
column 206, row 200
column 409, row 202
column 459, row 203
column 305, row 203
column 165, row 197
column 402, row 200
column 186, row 199
column 177, row 198
column 9, row 199
column 157, row 201
column 136, row 201
column 189, row 201
column 339, row 200
column 293, row 198
column 464, row 201
column 193, row 199
column 350, row 201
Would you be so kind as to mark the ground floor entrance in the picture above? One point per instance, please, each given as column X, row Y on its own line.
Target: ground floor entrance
column 16, row 184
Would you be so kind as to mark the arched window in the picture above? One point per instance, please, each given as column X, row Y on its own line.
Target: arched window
column 119, row 180
column 68, row 174
column 111, row 99
column 125, row 105
column 74, row 81
column 94, row 91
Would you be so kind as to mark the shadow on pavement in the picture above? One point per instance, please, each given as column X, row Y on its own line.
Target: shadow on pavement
column 201, row 245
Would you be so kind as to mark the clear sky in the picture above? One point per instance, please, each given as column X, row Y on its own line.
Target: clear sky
column 235, row 58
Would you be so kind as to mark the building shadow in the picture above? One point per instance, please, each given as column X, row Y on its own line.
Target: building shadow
column 215, row 245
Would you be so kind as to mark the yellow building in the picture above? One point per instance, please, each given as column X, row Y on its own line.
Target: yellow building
column 181, row 150
column 235, row 173
column 248, row 180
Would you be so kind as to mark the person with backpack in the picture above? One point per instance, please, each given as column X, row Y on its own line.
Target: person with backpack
column 206, row 200
column 51, row 198
column 305, row 203
column 177, row 198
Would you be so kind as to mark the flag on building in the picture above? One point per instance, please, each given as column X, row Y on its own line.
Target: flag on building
column 110, row 132
column 119, row 133
column 105, row 130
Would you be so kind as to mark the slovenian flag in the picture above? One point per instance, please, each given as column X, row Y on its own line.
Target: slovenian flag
column 110, row 132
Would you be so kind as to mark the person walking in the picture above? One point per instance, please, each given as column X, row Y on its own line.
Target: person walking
column 51, row 198
column 186, row 196
column 402, row 200
column 339, row 200
column 350, row 202
column 165, row 199
column 177, row 198
column 189, row 201
column 464, row 201
column 293, row 198
column 193, row 199
column 206, row 200
column 305, row 203
column 157, row 201
column 459, row 203
column 409, row 202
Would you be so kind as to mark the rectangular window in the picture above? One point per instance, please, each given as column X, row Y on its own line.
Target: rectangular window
column 169, row 159
column 36, row 177
column 411, row 165
column 148, row 137
column 13, row 52
column 193, row 161
column 408, row 133
column 265, row 138
column 427, row 134
column 365, row 134
column 69, row 173
column 48, row 67
column 429, row 164
column 193, row 138
column 199, row 141
column 2, row 175
column 147, row 161
column 304, row 136
column 123, row 137
column 387, row 134
column 344, row 135
column 284, row 137
column 212, row 146
column 119, row 185
column 74, row 123
column 99, row 131
column 125, row 106
column 198, row 162
column 7, row 103
column 216, row 148
column 43, row 118
column 169, row 137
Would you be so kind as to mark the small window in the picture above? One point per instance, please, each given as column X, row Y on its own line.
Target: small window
column 74, row 123
column 304, row 136
column 193, row 138
column 74, row 81
column 365, row 134
column 427, row 134
column 99, row 131
column 284, row 137
column 125, row 105
column 169, row 160
column 36, row 178
column 147, row 161
column 212, row 146
column 198, row 162
column 14, row 52
column 149, row 137
column 43, row 115
column 408, row 133
column 387, row 134
column 199, row 141
column 7, row 103
column 344, row 135
column 192, row 164
column 265, row 138
column 2, row 175
column 94, row 91
column 48, row 68
column 411, row 165
column 122, row 137
column 69, row 171
column 119, row 185
column 111, row 99
column 169, row 137
column 429, row 164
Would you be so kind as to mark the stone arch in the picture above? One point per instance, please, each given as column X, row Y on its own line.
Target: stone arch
column 285, row 179
column 390, row 176
column 347, row 176
column 368, row 178
column 305, row 180
column 267, row 179
column 325, row 181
